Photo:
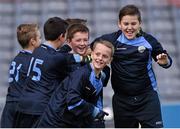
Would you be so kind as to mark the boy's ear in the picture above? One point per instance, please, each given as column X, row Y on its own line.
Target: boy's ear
column 32, row 41
column 68, row 41
column 61, row 37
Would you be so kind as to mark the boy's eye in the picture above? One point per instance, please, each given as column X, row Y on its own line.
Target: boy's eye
column 126, row 24
column 85, row 40
column 97, row 54
column 134, row 23
column 105, row 56
column 78, row 40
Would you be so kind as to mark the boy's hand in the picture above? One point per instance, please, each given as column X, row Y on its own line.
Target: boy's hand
column 86, row 59
column 162, row 59
column 101, row 115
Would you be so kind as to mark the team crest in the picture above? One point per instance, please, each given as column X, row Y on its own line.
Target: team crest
column 141, row 49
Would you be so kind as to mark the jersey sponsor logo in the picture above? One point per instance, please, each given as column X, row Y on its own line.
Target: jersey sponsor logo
column 121, row 48
column 141, row 49
column 159, row 122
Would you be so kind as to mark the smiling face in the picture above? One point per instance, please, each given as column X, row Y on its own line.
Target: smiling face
column 130, row 26
column 78, row 37
column 79, row 42
column 101, row 56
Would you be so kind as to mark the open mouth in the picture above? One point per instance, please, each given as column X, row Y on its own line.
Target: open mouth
column 81, row 48
column 99, row 63
column 129, row 33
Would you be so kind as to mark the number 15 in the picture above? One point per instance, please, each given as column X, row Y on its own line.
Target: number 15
column 35, row 63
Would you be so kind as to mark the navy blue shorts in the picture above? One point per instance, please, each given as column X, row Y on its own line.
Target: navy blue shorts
column 25, row 120
column 144, row 109
column 8, row 115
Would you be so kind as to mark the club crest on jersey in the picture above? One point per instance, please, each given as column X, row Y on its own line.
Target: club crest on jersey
column 141, row 49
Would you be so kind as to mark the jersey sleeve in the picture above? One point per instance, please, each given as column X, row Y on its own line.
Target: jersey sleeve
column 107, row 72
column 76, row 104
column 157, row 49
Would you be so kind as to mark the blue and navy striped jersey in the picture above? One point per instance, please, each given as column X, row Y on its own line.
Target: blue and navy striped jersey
column 132, row 72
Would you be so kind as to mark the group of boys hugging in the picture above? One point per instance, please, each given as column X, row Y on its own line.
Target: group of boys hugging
column 59, row 83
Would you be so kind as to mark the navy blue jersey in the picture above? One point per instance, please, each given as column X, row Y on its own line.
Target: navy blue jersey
column 46, row 70
column 74, row 66
column 73, row 103
column 132, row 72
column 65, row 48
column 17, row 78
column 17, row 75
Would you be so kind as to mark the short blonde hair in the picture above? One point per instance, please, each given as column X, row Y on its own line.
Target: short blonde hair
column 25, row 32
column 106, row 43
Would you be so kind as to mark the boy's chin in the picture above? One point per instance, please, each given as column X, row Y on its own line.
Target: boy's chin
column 130, row 37
column 81, row 53
column 98, row 67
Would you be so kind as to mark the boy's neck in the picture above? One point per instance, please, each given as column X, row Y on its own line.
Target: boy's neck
column 54, row 44
column 31, row 49
column 97, row 71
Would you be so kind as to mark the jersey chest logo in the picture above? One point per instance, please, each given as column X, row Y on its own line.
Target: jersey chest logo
column 141, row 49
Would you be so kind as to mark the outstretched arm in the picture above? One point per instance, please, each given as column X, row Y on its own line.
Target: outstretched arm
column 164, row 60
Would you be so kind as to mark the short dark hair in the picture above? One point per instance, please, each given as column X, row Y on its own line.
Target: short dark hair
column 54, row 27
column 71, row 21
column 74, row 28
column 129, row 10
column 25, row 32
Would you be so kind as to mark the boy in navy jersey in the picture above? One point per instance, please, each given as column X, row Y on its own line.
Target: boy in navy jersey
column 66, row 47
column 77, row 39
column 78, row 100
column 28, row 36
column 46, row 70
column 135, row 100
